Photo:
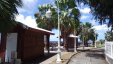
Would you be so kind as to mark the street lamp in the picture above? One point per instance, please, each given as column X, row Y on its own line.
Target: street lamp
column 48, row 15
column 59, row 51
column 83, row 36
column 95, row 40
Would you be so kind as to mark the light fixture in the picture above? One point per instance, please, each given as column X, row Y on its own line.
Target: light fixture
column 48, row 13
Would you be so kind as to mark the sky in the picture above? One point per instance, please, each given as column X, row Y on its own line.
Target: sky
column 30, row 7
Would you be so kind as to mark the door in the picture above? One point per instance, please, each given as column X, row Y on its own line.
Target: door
column 11, row 47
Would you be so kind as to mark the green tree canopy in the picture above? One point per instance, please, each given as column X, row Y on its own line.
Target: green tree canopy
column 68, row 17
column 8, row 10
column 43, row 21
column 101, row 9
column 109, row 36
column 87, row 33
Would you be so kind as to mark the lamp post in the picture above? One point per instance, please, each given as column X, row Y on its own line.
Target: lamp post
column 48, row 15
column 95, row 40
column 59, row 51
column 83, row 37
column 75, row 49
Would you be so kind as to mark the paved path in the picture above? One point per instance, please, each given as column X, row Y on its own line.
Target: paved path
column 89, row 57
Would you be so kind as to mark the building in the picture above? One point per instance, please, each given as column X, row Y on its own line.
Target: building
column 24, row 43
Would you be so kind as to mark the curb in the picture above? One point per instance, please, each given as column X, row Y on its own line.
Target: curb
column 71, row 57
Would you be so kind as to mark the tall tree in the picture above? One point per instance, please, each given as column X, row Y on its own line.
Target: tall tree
column 93, row 36
column 68, row 15
column 87, row 33
column 69, row 18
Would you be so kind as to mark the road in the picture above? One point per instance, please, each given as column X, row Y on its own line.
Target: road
column 92, row 56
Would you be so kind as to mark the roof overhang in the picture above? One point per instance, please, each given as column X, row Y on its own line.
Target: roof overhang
column 73, row 36
column 35, row 29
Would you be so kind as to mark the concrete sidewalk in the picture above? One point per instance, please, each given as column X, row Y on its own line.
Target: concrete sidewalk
column 92, row 56
column 89, row 55
column 65, row 56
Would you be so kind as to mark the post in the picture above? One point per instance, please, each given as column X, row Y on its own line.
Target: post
column 75, row 50
column 83, row 37
column 95, row 41
column 59, row 51
column 83, row 42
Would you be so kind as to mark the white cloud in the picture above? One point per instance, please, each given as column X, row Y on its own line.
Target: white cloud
column 83, row 17
column 52, row 2
column 28, row 20
column 101, row 27
column 101, row 30
column 28, row 6
column 85, row 10
column 93, row 22
column 81, row 4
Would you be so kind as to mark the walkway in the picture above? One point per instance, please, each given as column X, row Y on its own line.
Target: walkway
column 93, row 56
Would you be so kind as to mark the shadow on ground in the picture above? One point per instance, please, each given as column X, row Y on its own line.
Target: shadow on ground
column 97, row 54
column 39, row 59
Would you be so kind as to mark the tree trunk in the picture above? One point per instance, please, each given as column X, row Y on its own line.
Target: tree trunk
column 3, row 46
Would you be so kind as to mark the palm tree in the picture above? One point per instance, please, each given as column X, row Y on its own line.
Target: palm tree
column 68, row 18
column 93, row 36
column 87, row 33
column 69, row 21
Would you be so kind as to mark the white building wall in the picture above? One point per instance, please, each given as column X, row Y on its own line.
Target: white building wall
column 11, row 46
column 109, row 52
